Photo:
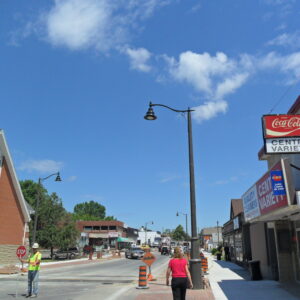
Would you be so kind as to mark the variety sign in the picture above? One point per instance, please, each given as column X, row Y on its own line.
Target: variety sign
column 283, row 145
column 266, row 195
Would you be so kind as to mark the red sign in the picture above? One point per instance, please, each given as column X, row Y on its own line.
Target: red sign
column 266, row 198
column 276, row 126
column 21, row 251
column 148, row 259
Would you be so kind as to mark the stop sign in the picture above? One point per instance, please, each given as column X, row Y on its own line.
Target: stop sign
column 21, row 251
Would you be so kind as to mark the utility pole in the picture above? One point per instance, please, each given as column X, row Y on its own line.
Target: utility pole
column 218, row 231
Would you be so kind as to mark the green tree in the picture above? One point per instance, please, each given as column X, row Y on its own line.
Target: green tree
column 52, row 217
column 178, row 234
column 89, row 211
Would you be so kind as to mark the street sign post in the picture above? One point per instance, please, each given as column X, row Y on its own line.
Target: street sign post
column 149, row 259
column 20, row 252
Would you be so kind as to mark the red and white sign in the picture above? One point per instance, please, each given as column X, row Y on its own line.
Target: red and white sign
column 21, row 251
column 266, row 198
column 277, row 126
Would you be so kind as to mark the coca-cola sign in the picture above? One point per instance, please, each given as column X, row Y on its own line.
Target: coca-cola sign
column 278, row 126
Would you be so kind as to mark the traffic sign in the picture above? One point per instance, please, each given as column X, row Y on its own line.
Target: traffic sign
column 21, row 251
column 149, row 259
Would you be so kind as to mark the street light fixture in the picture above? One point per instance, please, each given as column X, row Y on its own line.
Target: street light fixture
column 186, row 216
column 195, row 261
column 150, row 222
column 57, row 178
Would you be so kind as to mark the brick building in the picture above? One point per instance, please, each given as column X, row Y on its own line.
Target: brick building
column 14, row 215
column 97, row 233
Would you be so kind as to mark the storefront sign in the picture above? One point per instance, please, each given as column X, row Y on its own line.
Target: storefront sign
column 268, row 198
column 276, row 126
column 113, row 234
column 266, row 195
column 282, row 145
column 250, row 203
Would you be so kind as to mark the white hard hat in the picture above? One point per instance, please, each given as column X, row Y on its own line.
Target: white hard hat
column 35, row 246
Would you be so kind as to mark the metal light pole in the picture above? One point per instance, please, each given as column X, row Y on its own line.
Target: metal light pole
column 151, row 222
column 38, row 201
column 195, row 261
column 218, row 231
column 186, row 216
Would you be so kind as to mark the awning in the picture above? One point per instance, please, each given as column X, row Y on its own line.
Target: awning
column 98, row 235
column 123, row 240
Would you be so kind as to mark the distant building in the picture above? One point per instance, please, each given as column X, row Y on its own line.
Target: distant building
column 149, row 237
column 211, row 237
column 233, row 231
column 110, row 234
column 14, row 215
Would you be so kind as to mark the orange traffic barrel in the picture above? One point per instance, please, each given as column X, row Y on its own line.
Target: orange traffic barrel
column 142, row 278
column 204, row 265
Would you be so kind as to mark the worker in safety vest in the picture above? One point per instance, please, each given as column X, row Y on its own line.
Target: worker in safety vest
column 34, row 262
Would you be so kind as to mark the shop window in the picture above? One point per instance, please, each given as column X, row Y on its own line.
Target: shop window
column 96, row 227
column 88, row 228
column 104, row 227
column 112, row 227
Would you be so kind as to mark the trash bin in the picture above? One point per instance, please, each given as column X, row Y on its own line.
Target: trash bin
column 254, row 266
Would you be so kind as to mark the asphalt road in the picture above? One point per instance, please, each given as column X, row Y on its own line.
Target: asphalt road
column 107, row 280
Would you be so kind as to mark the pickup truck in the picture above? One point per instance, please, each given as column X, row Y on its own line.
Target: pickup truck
column 66, row 254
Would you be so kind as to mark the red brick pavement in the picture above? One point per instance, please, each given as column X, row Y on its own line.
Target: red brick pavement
column 159, row 291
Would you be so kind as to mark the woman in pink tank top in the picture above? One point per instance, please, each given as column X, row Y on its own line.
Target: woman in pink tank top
column 180, row 275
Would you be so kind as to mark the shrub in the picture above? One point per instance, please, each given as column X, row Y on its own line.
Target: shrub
column 213, row 251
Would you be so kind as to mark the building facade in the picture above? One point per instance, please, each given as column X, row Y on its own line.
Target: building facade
column 272, row 215
column 14, row 215
column 211, row 237
column 108, row 234
column 233, row 232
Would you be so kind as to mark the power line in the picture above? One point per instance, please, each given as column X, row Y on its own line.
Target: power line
column 282, row 96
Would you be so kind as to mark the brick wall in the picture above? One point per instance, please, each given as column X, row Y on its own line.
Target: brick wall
column 8, row 255
column 11, row 217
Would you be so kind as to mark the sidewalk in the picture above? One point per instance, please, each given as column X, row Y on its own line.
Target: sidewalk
column 230, row 281
column 159, row 291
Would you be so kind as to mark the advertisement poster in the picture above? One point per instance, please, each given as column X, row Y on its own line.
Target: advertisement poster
column 268, row 198
column 277, row 183
column 250, row 203
column 276, row 126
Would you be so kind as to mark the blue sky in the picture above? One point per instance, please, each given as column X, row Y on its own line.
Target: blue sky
column 77, row 75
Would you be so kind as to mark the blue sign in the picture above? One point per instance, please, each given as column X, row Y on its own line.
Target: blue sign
column 277, row 183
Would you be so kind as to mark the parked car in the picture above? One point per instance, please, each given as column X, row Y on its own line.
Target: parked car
column 135, row 252
column 70, row 253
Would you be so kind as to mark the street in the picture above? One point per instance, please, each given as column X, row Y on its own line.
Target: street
column 93, row 279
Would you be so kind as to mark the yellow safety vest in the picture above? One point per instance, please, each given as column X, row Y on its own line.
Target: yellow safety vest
column 32, row 259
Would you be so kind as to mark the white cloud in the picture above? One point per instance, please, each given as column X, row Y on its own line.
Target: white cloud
column 82, row 24
column 139, row 59
column 209, row 110
column 288, row 64
column 216, row 76
column 291, row 40
column 229, row 85
column 42, row 166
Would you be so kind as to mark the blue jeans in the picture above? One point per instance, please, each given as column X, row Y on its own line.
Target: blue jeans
column 33, row 282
